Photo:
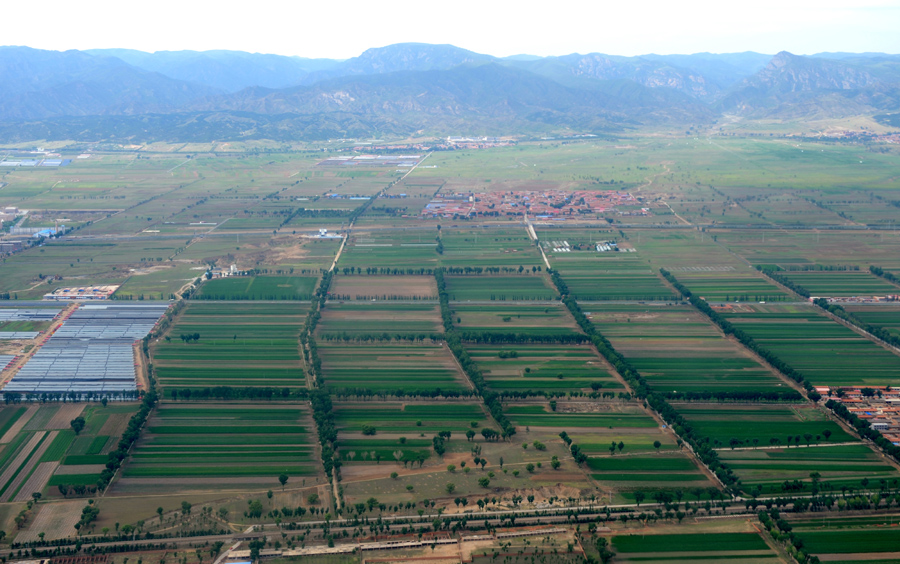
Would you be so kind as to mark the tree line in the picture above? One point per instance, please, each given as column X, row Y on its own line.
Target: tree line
column 489, row 337
column 476, row 270
column 383, row 297
column 729, row 329
column 384, row 336
column 319, row 399
column 491, row 399
column 889, row 276
column 385, row 271
column 237, row 393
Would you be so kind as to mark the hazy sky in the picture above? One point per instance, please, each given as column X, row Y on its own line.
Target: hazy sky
column 343, row 29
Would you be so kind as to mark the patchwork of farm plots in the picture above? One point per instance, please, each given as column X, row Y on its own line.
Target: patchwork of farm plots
column 842, row 283
column 595, row 276
column 730, row 286
column 489, row 248
column 648, row 458
column 824, row 351
column 771, row 446
column 239, row 345
column 499, row 288
column 677, row 350
column 522, row 319
column 885, row 316
column 192, row 444
column 638, row 465
column 398, row 429
column 39, row 450
column 258, row 288
column 417, row 369
column 381, row 320
column 539, row 369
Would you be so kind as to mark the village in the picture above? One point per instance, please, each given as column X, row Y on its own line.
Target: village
column 879, row 406
column 545, row 204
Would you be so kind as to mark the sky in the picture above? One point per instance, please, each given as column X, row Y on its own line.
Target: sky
column 344, row 29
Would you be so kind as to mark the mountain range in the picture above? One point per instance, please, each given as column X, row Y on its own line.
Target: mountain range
column 121, row 94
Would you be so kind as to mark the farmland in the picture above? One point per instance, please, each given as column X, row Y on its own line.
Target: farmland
column 379, row 320
column 677, row 350
column 40, row 450
column 884, row 316
column 258, row 288
column 594, row 276
column 489, row 248
column 730, row 286
column 374, row 287
column 187, row 443
column 499, row 288
column 233, row 340
column 841, row 283
column 520, row 318
column 756, row 443
column 825, row 352
column 398, row 429
column 681, row 547
column 849, row 538
column 512, row 361
column 415, row 368
column 543, row 368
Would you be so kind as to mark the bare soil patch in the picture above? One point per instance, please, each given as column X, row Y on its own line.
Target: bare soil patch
column 403, row 286
column 37, row 480
column 63, row 418
column 56, row 520
column 80, row 469
column 115, row 424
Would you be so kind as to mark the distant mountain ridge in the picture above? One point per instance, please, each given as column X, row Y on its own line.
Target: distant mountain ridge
column 415, row 87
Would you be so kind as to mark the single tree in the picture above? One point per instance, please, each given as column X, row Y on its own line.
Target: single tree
column 77, row 424
column 639, row 496
column 283, row 479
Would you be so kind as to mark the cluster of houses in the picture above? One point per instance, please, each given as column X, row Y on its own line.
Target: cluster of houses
column 879, row 406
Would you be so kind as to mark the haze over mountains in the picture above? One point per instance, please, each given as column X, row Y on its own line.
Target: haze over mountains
column 120, row 94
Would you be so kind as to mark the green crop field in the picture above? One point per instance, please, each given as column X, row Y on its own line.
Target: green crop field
column 258, row 288
column 240, row 345
column 489, row 248
column 417, row 369
column 729, row 285
column 499, row 288
column 185, row 440
column 885, row 316
column 542, row 368
column 756, row 442
column 824, row 351
column 841, row 283
column 399, row 428
column 520, row 318
column 595, row 276
column 677, row 350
